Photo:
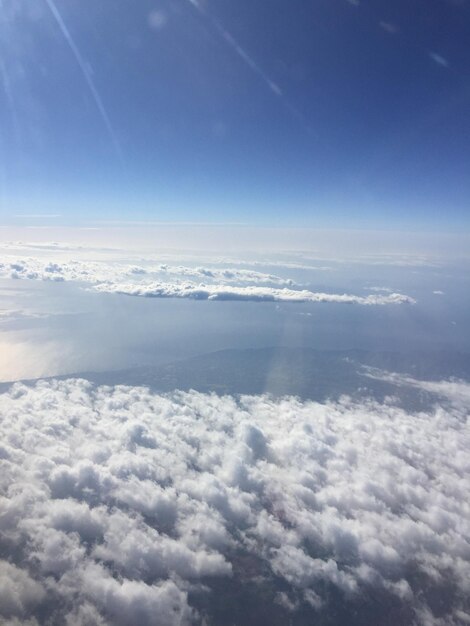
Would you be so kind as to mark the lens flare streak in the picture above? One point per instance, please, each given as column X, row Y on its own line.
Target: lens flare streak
column 86, row 75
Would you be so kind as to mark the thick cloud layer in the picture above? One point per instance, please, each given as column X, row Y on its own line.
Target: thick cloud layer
column 120, row 506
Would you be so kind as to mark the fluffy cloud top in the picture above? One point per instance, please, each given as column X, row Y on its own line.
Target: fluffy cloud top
column 121, row 506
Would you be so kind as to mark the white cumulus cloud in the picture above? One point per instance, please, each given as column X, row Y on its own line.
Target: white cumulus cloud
column 122, row 506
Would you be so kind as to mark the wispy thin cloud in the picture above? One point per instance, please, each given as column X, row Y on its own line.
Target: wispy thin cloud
column 439, row 59
column 388, row 27
column 37, row 215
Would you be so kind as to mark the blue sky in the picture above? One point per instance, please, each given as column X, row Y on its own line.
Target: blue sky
column 322, row 113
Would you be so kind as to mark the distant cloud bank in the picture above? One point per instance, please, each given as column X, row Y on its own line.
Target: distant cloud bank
column 120, row 506
column 219, row 283
column 95, row 272
column 255, row 294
